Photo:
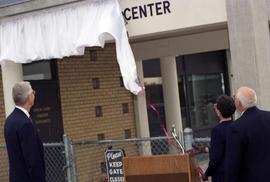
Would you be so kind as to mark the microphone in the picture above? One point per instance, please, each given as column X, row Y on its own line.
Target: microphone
column 176, row 138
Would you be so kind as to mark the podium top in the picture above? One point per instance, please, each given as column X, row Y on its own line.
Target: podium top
column 161, row 164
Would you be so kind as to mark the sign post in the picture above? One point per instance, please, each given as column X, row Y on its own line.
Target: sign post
column 114, row 165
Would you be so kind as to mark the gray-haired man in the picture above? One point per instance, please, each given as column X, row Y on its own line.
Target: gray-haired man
column 25, row 149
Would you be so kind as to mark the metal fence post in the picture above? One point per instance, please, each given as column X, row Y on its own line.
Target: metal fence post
column 67, row 155
column 73, row 161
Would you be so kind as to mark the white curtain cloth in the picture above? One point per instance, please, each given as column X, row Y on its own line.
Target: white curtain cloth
column 66, row 31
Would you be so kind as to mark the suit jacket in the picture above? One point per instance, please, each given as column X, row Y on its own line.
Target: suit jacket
column 217, row 152
column 25, row 149
column 248, row 148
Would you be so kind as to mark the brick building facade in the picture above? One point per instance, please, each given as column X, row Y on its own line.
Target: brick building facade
column 94, row 106
column 79, row 100
column 2, row 111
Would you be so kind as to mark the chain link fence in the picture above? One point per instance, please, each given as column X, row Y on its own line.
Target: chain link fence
column 84, row 161
column 54, row 154
column 55, row 161
column 90, row 160
column 3, row 164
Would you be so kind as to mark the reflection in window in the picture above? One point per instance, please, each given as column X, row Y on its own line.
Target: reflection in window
column 203, row 91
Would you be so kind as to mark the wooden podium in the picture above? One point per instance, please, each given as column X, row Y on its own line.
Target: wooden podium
column 162, row 168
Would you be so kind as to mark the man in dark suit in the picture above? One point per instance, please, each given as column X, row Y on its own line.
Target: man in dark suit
column 248, row 141
column 25, row 149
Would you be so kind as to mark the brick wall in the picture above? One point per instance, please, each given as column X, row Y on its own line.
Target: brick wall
column 2, row 110
column 3, row 153
column 79, row 101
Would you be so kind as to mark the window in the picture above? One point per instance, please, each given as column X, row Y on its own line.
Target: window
column 103, row 167
column 125, row 108
column 40, row 70
column 101, row 136
column 127, row 133
column 93, row 55
column 202, row 78
column 95, row 83
column 121, row 82
column 151, row 68
column 154, row 93
column 98, row 111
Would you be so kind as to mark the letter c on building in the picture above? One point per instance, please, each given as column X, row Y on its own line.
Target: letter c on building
column 126, row 15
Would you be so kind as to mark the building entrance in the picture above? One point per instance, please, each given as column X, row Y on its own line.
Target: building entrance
column 46, row 112
column 201, row 79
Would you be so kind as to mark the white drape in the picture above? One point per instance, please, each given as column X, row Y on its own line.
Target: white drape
column 66, row 31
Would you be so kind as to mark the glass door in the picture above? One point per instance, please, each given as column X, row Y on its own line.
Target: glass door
column 201, row 79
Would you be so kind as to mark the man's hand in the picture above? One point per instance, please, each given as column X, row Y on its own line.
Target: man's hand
column 205, row 178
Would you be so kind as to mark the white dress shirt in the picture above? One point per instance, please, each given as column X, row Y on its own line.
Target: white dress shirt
column 24, row 110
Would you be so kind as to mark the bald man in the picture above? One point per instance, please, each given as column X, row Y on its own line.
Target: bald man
column 248, row 142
